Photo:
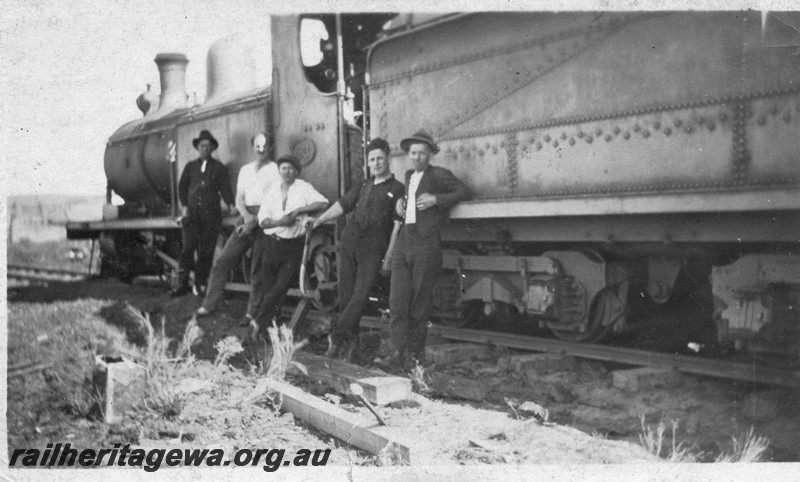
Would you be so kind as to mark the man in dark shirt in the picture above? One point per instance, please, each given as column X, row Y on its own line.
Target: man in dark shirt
column 202, row 183
column 366, row 245
column 430, row 193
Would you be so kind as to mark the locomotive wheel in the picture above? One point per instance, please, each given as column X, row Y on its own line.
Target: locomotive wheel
column 599, row 324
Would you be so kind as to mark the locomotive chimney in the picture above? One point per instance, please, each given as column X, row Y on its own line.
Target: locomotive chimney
column 172, row 71
column 230, row 68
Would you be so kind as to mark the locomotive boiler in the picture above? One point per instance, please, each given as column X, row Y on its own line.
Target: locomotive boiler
column 625, row 167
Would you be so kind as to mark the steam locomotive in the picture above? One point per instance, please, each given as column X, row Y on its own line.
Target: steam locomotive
column 625, row 166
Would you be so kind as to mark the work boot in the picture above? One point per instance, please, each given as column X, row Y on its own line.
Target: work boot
column 202, row 312
column 410, row 361
column 180, row 291
column 245, row 321
column 342, row 349
column 388, row 362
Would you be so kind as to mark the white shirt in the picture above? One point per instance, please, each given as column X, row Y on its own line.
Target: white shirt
column 411, row 205
column 203, row 166
column 254, row 183
column 300, row 194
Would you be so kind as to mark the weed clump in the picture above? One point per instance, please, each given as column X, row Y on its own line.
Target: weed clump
column 226, row 348
column 164, row 367
column 283, row 348
column 746, row 447
column 419, row 379
column 652, row 439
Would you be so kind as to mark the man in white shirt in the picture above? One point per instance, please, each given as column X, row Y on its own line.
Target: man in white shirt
column 278, row 249
column 254, row 181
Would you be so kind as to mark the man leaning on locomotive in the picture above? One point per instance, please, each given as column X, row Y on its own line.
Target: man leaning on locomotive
column 417, row 259
column 414, row 259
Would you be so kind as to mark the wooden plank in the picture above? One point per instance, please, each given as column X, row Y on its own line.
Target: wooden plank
column 28, row 369
column 457, row 352
column 458, row 387
column 379, row 388
column 539, row 362
column 336, row 421
column 646, row 378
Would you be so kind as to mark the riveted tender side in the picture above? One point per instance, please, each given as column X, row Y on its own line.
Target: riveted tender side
column 624, row 166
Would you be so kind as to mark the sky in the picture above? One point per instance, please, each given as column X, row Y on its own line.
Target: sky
column 72, row 69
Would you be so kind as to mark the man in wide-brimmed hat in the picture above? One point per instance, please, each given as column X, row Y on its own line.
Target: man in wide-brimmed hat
column 202, row 183
column 430, row 193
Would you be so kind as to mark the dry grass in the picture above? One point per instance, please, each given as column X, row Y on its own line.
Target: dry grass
column 283, row 348
column 652, row 439
column 390, row 455
column 226, row 348
column 419, row 379
column 165, row 367
column 279, row 356
column 746, row 448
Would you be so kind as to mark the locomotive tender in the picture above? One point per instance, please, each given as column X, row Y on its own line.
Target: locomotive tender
column 624, row 166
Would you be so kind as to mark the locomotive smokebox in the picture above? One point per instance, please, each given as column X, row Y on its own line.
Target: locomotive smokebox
column 137, row 155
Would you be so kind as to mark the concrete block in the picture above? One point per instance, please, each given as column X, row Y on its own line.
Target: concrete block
column 379, row 388
column 646, row 378
column 120, row 384
column 456, row 352
column 761, row 406
column 537, row 362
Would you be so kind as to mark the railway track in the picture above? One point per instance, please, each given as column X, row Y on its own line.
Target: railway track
column 751, row 372
column 20, row 274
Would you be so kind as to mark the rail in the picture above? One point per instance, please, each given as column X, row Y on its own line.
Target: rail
column 42, row 274
column 697, row 365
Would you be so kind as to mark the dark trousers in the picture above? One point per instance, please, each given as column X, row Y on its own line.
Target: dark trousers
column 198, row 234
column 416, row 263
column 235, row 248
column 275, row 264
column 359, row 270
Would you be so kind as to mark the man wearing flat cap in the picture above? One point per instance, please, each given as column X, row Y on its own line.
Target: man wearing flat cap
column 202, row 183
column 430, row 193
column 278, row 248
column 366, row 246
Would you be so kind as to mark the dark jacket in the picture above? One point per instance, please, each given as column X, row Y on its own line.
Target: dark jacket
column 371, row 212
column 200, row 191
column 448, row 190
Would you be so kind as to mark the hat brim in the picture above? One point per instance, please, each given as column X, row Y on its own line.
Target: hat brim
column 405, row 144
column 214, row 143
